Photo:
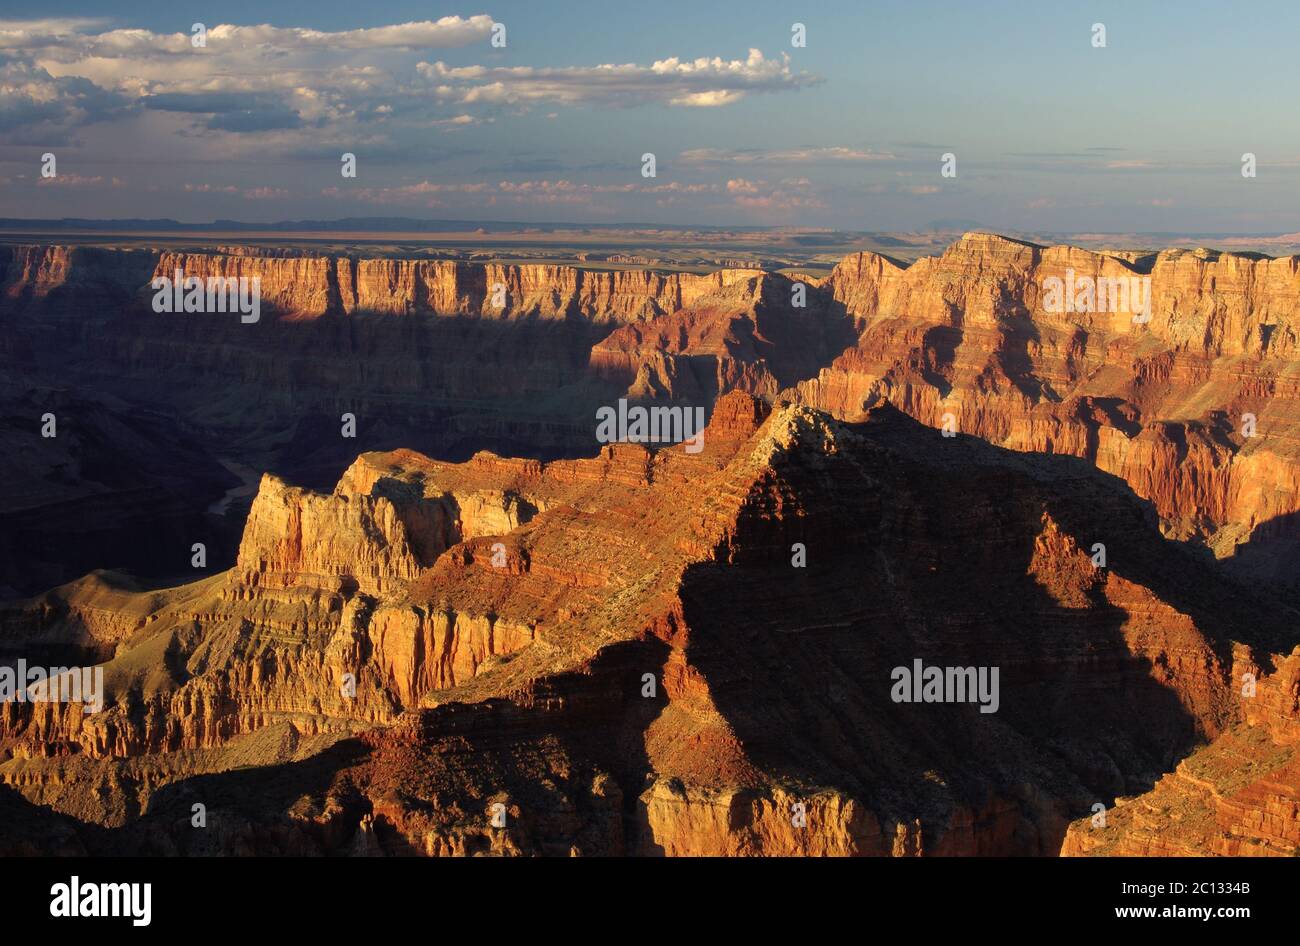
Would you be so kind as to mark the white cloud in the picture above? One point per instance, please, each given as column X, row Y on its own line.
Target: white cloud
column 694, row 83
column 288, row 90
column 19, row 34
column 918, row 190
column 74, row 40
column 782, row 156
column 254, row 92
column 59, row 74
column 450, row 31
column 536, row 191
column 751, row 195
column 708, row 99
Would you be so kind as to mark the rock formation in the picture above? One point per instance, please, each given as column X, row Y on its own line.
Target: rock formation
column 437, row 649
column 1192, row 408
column 621, row 653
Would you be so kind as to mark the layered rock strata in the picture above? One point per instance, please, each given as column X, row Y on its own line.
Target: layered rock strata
column 622, row 654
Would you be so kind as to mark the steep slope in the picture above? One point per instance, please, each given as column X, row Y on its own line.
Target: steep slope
column 1196, row 408
column 1237, row 797
column 755, row 338
column 621, row 653
column 430, row 638
column 419, row 352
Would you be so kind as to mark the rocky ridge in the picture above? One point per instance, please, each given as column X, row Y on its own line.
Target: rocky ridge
column 1192, row 408
column 520, row 682
column 621, row 653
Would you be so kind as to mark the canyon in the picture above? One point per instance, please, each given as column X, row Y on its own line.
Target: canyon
column 473, row 603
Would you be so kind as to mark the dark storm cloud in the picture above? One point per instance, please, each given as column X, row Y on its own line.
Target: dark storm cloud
column 269, row 119
column 31, row 98
column 206, row 102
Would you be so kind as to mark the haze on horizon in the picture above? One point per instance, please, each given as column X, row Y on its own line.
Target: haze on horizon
column 1050, row 133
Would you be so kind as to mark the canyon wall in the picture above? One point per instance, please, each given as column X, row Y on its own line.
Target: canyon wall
column 1192, row 407
column 306, row 287
column 1195, row 408
column 622, row 653
column 428, row 629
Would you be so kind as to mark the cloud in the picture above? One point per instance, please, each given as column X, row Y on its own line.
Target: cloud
column 228, row 111
column 76, row 180
column 262, row 119
column 782, row 156
column 72, row 41
column 64, row 73
column 38, row 107
column 253, row 92
column 297, row 61
column 450, row 31
column 698, row 83
column 19, row 34
column 540, row 191
column 265, row 193
column 459, row 121
column 919, row 190
column 711, row 99
column 199, row 102
column 256, row 92
column 794, row 193
column 744, row 193
column 779, row 200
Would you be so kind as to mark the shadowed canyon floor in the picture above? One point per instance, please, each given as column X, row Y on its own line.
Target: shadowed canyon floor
column 617, row 648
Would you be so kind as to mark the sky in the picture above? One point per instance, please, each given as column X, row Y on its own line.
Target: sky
column 1049, row 131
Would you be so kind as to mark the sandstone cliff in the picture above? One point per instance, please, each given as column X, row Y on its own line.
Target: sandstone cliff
column 400, row 648
column 621, row 654
column 1192, row 407
column 1237, row 797
column 306, row 287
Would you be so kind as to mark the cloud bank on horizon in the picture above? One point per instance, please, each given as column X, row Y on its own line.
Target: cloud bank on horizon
column 753, row 117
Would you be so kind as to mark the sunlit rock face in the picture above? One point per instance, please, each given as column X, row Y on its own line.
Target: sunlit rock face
column 1192, row 403
column 1190, row 398
column 654, row 651
column 651, row 653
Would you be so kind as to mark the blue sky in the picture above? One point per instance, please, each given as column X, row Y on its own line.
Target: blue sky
column 1050, row 133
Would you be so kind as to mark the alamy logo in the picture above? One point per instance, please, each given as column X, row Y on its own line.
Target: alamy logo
column 651, row 425
column 1130, row 294
column 27, row 684
column 78, row 899
column 181, row 293
column 922, row 684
